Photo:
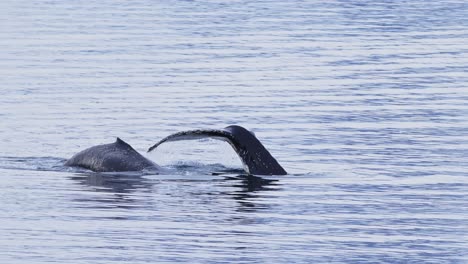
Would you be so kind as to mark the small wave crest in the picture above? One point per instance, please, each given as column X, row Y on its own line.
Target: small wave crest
column 197, row 167
column 57, row 164
column 33, row 163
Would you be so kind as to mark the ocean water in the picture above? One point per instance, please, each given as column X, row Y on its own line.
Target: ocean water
column 364, row 103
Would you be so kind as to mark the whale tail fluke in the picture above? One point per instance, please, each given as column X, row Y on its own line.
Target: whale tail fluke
column 254, row 156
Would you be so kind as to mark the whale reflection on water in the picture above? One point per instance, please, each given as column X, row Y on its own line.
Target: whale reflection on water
column 130, row 191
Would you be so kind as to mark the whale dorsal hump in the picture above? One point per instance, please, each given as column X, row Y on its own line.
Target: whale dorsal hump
column 120, row 142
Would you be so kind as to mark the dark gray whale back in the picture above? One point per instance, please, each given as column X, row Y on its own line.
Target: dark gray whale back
column 254, row 156
column 117, row 156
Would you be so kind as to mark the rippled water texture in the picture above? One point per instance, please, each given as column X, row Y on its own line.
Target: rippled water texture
column 365, row 104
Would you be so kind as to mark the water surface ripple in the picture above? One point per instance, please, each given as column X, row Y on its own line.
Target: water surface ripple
column 365, row 103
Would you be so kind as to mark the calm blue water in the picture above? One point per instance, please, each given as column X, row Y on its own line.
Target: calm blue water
column 365, row 103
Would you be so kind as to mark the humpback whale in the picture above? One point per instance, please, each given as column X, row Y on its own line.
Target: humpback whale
column 114, row 157
column 254, row 156
column 120, row 156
